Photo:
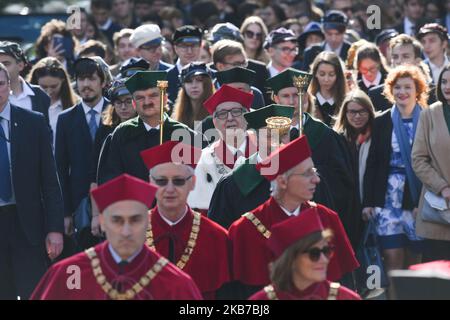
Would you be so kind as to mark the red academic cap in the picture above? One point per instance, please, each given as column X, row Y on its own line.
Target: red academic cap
column 124, row 187
column 171, row 151
column 225, row 94
column 285, row 158
column 289, row 231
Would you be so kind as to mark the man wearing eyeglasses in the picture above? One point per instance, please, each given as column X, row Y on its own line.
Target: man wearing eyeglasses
column 281, row 45
column 143, row 131
column 188, row 239
column 187, row 41
column 147, row 39
column 335, row 188
column 227, row 107
column 294, row 178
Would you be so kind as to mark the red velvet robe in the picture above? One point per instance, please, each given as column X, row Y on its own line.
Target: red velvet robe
column 169, row 284
column 317, row 291
column 209, row 263
column 251, row 256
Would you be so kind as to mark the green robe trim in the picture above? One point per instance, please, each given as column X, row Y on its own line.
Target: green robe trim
column 246, row 177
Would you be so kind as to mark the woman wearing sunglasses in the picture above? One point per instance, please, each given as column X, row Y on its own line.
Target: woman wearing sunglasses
column 302, row 250
column 255, row 31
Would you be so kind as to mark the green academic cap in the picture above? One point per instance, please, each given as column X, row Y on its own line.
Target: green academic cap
column 237, row 74
column 143, row 80
column 284, row 79
column 257, row 119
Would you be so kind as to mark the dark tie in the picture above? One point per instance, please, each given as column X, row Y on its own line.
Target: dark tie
column 171, row 250
column 5, row 174
column 294, row 134
column 92, row 123
column 122, row 265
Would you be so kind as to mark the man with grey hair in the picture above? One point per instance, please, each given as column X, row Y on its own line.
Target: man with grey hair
column 31, row 205
column 294, row 177
column 188, row 239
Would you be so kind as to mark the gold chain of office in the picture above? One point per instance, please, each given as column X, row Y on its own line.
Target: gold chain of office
column 135, row 289
column 190, row 244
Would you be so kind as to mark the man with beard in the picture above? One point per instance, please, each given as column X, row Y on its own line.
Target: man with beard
column 142, row 132
column 76, row 132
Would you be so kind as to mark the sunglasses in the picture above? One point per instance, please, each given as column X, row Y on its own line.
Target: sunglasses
column 178, row 182
column 314, row 253
column 252, row 35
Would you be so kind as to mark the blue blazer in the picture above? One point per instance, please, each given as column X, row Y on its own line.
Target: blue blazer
column 36, row 186
column 174, row 84
column 162, row 66
column 73, row 152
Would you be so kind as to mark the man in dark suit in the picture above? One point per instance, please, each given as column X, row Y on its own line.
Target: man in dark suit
column 24, row 94
column 31, row 207
column 281, row 46
column 101, row 11
column 334, row 26
column 147, row 39
column 76, row 131
column 413, row 12
column 187, row 41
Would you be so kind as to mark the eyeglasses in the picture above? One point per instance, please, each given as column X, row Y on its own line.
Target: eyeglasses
column 223, row 115
column 177, row 182
column 186, row 47
column 150, row 49
column 243, row 64
column 314, row 253
column 308, row 174
column 253, row 35
column 127, row 102
column 361, row 113
column 287, row 50
column 373, row 69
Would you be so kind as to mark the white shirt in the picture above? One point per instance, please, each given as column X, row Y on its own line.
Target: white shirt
column 148, row 127
column 322, row 100
column 171, row 223
column 436, row 70
column 53, row 112
column 374, row 83
column 22, row 100
column 118, row 259
column 5, row 122
column 337, row 51
column 179, row 66
column 98, row 107
column 272, row 70
column 294, row 213
column 241, row 148
column 410, row 27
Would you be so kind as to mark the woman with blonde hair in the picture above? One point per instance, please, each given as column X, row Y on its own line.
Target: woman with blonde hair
column 254, row 32
column 328, row 85
column 196, row 88
column 391, row 188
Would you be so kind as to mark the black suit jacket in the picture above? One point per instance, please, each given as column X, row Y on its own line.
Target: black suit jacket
column 377, row 168
column 36, row 186
column 174, row 84
column 40, row 101
column 379, row 101
column 311, row 53
column 74, row 155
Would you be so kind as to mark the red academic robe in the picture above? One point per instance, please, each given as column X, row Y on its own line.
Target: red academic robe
column 209, row 263
column 317, row 291
column 169, row 284
column 251, row 256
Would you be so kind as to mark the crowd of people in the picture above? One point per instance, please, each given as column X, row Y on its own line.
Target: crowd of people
column 168, row 152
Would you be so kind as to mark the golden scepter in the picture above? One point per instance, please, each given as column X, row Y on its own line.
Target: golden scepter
column 301, row 82
column 278, row 124
column 162, row 86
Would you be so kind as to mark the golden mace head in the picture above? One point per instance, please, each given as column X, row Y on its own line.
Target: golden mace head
column 162, row 84
column 280, row 124
column 301, row 82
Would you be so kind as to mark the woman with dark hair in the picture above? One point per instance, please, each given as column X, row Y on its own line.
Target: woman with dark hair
column 391, row 188
column 302, row 250
column 371, row 65
column 254, row 32
column 196, row 88
column 354, row 123
column 328, row 85
column 51, row 76
column 272, row 15
column 431, row 163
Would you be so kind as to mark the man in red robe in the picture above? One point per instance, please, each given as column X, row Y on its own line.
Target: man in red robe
column 294, row 179
column 122, row 267
column 191, row 241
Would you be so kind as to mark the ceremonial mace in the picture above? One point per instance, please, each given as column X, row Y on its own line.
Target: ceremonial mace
column 162, row 86
column 279, row 124
column 301, row 83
